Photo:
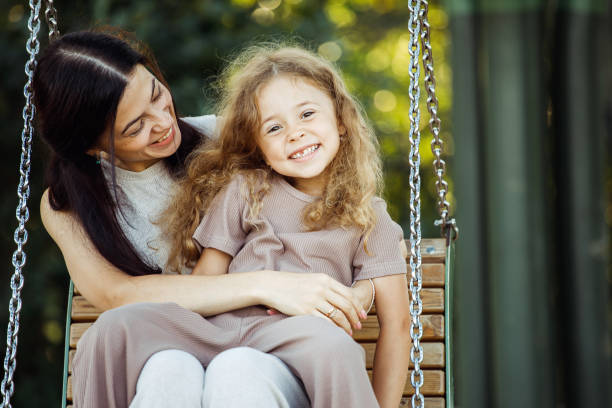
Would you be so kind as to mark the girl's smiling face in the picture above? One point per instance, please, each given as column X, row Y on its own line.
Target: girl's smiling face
column 299, row 135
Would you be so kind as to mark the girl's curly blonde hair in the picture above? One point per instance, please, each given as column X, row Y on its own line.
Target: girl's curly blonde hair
column 354, row 175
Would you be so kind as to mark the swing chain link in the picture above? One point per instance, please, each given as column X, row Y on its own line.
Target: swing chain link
column 416, row 280
column 51, row 17
column 23, row 192
column 437, row 144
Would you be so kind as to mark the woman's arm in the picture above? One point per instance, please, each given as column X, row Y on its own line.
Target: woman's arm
column 392, row 356
column 107, row 287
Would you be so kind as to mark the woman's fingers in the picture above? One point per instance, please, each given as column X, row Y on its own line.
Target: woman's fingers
column 336, row 318
column 345, row 308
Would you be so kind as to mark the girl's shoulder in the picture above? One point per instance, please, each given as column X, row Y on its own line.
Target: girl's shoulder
column 378, row 204
column 243, row 183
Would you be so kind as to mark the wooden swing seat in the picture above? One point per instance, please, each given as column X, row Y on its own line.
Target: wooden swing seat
column 436, row 344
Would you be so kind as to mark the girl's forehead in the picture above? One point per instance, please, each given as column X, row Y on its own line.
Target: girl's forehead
column 289, row 85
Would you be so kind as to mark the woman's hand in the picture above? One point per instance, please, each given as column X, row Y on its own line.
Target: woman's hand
column 364, row 292
column 317, row 294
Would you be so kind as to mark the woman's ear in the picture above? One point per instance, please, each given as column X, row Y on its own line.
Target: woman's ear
column 93, row 152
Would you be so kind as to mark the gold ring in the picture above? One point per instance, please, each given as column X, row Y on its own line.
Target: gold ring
column 331, row 313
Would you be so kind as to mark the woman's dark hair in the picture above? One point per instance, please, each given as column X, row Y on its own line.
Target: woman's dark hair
column 78, row 83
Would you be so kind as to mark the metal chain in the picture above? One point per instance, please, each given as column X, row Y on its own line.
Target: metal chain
column 416, row 281
column 437, row 144
column 23, row 192
column 51, row 17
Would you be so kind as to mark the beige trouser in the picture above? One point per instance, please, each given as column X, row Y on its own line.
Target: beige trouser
column 111, row 354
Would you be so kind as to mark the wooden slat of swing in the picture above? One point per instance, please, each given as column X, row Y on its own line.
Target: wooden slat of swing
column 433, row 252
column 429, row 403
column 433, row 302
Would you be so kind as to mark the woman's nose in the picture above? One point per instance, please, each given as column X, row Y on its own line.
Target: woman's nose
column 163, row 119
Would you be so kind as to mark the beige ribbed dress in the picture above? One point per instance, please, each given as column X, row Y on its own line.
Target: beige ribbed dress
column 277, row 240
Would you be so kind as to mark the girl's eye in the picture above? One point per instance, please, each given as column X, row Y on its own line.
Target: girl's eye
column 274, row 129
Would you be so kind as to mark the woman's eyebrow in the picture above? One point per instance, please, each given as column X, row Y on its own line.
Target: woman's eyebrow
column 140, row 116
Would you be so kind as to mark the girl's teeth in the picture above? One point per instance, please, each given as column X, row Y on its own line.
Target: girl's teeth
column 305, row 152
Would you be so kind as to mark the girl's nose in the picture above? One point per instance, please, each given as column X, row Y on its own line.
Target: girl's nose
column 297, row 135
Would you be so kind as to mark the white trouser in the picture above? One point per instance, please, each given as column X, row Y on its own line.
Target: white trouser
column 237, row 377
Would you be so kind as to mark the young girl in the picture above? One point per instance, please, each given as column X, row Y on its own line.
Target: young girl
column 297, row 165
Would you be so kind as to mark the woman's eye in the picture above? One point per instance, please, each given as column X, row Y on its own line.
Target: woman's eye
column 137, row 131
column 159, row 92
column 307, row 114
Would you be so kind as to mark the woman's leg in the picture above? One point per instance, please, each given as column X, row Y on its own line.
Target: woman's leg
column 245, row 377
column 328, row 361
column 169, row 379
column 112, row 352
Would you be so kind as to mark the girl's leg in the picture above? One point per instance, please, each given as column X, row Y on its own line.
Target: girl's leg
column 328, row 361
column 243, row 376
column 112, row 352
column 169, row 379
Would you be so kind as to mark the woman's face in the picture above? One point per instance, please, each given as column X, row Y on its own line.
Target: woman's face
column 145, row 129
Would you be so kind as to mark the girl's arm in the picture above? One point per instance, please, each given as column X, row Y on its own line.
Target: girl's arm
column 212, row 262
column 392, row 356
column 107, row 287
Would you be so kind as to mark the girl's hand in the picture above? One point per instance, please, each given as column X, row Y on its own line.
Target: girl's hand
column 317, row 294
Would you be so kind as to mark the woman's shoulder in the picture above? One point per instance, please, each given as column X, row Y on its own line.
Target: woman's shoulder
column 56, row 222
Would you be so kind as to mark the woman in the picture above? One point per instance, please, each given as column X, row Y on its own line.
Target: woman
column 117, row 149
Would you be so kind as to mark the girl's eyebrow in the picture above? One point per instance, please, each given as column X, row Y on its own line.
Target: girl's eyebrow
column 299, row 105
column 140, row 116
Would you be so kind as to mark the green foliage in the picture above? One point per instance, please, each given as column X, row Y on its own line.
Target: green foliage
column 192, row 40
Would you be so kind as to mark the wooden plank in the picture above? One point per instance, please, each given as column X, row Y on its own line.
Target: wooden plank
column 71, row 356
column 433, row 354
column 433, row 302
column 83, row 311
column 433, row 275
column 69, row 389
column 76, row 331
column 432, row 250
column 433, row 383
column 433, row 386
column 433, row 328
column 432, row 402
column 432, row 298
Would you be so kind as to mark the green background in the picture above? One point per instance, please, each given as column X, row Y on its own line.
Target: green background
column 524, row 93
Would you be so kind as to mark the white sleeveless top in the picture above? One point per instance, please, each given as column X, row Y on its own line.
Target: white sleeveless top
column 144, row 196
